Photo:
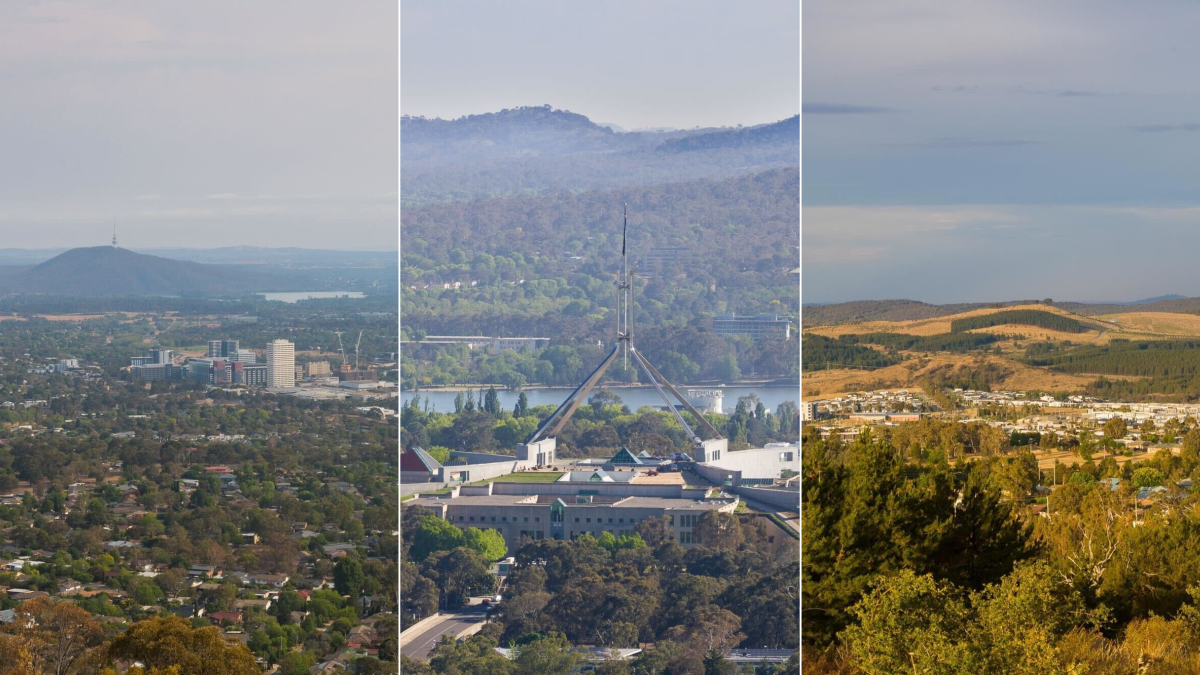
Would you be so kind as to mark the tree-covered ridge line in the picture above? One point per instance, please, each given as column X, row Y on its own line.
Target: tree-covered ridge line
column 1157, row 368
column 1150, row 358
column 822, row 353
column 1026, row 317
column 539, row 150
column 573, row 240
column 945, row 342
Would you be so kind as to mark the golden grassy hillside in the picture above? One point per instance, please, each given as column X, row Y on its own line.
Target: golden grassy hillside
column 1160, row 324
column 1018, row 376
column 908, row 375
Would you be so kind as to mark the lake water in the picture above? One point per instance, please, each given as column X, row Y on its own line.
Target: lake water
column 311, row 295
column 634, row 397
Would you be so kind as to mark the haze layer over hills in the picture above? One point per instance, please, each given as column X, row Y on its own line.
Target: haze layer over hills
column 104, row 270
column 534, row 149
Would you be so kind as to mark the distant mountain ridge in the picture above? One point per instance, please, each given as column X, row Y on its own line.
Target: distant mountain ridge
column 535, row 150
column 108, row 271
column 539, row 130
column 828, row 314
column 783, row 133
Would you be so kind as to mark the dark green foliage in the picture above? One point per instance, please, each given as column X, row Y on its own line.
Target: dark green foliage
column 1170, row 367
column 947, row 342
column 1025, row 317
column 866, row 513
column 821, row 353
column 1163, row 359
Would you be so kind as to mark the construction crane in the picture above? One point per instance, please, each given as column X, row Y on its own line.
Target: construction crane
column 341, row 348
column 356, row 345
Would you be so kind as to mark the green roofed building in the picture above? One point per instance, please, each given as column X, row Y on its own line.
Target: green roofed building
column 625, row 458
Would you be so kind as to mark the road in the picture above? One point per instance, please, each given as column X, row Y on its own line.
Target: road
column 418, row 646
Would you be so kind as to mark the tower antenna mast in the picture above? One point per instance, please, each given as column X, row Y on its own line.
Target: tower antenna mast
column 114, row 244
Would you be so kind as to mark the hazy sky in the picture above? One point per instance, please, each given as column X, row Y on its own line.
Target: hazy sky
column 199, row 124
column 982, row 151
column 677, row 63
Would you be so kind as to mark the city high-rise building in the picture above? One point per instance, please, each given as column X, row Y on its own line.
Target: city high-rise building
column 227, row 349
column 281, row 364
column 161, row 356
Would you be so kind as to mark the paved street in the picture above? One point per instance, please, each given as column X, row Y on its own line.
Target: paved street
column 418, row 646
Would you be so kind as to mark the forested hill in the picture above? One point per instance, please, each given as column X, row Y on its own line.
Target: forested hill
column 519, row 131
column 878, row 310
column 736, row 230
column 912, row 310
column 107, row 271
column 783, row 134
column 535, row 150
column 544, row 265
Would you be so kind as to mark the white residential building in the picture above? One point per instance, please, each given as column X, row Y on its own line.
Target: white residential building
column 281, row 364
column 808, row 411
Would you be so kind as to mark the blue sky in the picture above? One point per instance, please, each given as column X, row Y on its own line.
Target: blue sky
column 264, row 123
column 984, row 151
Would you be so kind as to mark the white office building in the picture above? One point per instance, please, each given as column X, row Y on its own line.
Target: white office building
column 281, row 364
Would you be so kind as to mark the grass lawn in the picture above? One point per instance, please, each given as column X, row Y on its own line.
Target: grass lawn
column 408, row 496
column 523, row 477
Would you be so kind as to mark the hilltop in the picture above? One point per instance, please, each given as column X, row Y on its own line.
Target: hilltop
column 1132, row 351
column 533, row 150
column 107, row 271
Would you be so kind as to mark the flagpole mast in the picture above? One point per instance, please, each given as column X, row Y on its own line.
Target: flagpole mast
column 625, row 283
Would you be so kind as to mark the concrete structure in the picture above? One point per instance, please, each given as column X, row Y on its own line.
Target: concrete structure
column 706, row 400
column 416, row 466
column 614, row 489
column 597, row 476
column 223, row 349
column 711, row 450
column 551, row 516
column 785, row 499
column 756, row 466
column 808, row 411
column 761, row 326
column 255, row 376
column 539, row 454
column 655, row 259
column 317, row 369
column 156, row 371
column 528, row 344
column 281, row 364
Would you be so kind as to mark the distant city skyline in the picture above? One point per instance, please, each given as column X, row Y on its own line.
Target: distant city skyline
column 270, row 123
column 636, row 65
column 982, row 151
